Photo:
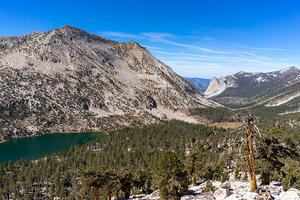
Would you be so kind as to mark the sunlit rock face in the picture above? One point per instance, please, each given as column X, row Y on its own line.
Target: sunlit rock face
column 70, row 80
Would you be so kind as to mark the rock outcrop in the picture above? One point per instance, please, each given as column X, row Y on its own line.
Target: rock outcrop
column 215, row 87
column 234, row 190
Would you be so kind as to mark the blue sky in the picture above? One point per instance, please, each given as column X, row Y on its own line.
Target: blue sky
column 197, row 38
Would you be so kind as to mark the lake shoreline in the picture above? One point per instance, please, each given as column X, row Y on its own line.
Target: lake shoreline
column 74, row 132
column 2, row 141
column 36, row 147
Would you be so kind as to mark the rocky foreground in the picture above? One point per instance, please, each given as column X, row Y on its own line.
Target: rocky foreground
column 234, row 190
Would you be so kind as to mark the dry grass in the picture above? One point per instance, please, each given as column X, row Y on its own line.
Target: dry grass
column 226, row 125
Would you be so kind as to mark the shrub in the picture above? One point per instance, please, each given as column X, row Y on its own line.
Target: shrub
column 291, row 179
column 209, row 187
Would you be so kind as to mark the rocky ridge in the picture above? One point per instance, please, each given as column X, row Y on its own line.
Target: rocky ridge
column 274, row 89
column 68, row 80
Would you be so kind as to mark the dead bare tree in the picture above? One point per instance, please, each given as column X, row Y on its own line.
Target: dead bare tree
column 249, row 119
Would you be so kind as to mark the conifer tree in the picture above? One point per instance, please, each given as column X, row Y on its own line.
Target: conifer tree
column 142, row 180
column 125, row 182
column 109, row 181
column 171, row 178
column 194, row 164
column 92, row 179
column 273, row 147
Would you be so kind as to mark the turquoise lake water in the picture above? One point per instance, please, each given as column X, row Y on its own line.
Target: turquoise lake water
column 37, row 147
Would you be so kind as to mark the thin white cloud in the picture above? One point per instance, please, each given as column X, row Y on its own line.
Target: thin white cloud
column 211, row 69
column 218, row 65
column 252, row 55
column 207, row 38
column 119, row 34
column 156, row 35
column 153, row 48
column 186, row 58
column 160, row 37
column 206, row 50
column 269, row 49
column 213, row 58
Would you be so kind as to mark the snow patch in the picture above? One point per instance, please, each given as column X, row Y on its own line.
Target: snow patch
column 260, row 79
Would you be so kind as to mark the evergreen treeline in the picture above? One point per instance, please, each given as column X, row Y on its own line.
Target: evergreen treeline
column 217, row 114
column 165, row 156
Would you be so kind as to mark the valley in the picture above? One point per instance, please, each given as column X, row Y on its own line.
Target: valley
column 200, row 84
column 275, row 91
column 133, row 159
column 163, row 138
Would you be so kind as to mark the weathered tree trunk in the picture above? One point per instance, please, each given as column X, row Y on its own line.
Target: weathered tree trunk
column 194, row 181
column 127, row 194
column 117, row 194
column 81, row 195
column 251, row 158
column 265, row 178
column 108, row 193
column 95, row 193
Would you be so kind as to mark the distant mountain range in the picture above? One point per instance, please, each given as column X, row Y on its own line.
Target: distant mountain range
column 278, row 91
column 200, row 84
column 68, row 80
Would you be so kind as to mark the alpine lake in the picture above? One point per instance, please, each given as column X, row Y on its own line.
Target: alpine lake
column 39, row 146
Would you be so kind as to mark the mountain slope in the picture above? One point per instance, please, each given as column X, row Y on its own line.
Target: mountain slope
column 70, row 80
column 200, row 84
column 278, row 91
